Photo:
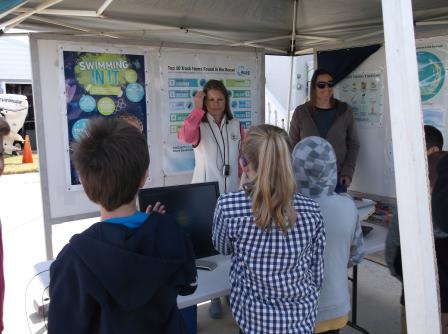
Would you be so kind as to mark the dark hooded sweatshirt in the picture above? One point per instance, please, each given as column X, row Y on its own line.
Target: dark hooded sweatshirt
column 439, row 199
column 440, row 196
column 113, row 279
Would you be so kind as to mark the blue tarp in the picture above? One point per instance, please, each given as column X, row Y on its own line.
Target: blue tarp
column 6, row 5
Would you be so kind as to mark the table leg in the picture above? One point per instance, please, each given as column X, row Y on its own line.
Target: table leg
column 353, row 322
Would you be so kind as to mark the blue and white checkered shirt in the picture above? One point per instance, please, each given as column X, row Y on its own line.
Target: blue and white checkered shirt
column 275, row 278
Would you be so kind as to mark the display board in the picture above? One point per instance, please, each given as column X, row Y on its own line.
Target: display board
column 100, row 82
column 77, row 79
column 432, row 58
column 185, row 73
column 365, row 89
column 364, row 92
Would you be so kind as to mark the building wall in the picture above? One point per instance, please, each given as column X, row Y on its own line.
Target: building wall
column 278, row 71
column 15, row 63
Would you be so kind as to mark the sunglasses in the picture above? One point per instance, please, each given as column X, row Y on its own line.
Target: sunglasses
column 323, row 84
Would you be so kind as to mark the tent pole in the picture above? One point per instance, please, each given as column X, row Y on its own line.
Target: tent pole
column 219, row 38
column 276, row 38
column 261, row 40
column 293, row 33
column 371, row 34
column 48, row 240
column 291, row 67
column 416, row 231
column 431, row 23
column 103, row 7
column 8, row 28
column 18, row 19
column 71, row 26
column 304, row 52
column 291, row 63
column 61, row 12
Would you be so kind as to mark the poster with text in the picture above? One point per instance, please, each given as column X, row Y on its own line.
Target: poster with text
column 432, row 58
column 102, row 85
column 364, row 92
column 183, row 75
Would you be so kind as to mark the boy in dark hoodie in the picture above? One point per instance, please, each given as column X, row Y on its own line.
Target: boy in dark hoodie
column 435, row 155
column 440, row 196
column 123, row 274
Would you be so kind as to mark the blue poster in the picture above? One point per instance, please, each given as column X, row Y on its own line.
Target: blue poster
column 103, row 85
column 431, row 74
column 432, row 58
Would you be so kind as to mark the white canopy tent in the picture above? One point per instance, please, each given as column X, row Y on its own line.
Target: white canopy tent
column 292, row 27
column 281, row 27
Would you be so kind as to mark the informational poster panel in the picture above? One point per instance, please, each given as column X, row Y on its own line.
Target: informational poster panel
column 76, row 79
column 186, row 73
column 364, row 92
column 366, row 87
column 432, row 58
column 101, row 84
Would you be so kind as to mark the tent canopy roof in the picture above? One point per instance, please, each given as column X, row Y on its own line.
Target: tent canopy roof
column 261, row 23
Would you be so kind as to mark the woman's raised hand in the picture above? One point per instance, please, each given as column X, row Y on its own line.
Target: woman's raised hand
column 199, row 100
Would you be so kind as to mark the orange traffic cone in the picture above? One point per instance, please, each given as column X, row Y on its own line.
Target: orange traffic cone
column 27, row 154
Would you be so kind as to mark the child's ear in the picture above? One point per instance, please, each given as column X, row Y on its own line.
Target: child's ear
column 144, row 178
column 432, row 150
column 243, row 166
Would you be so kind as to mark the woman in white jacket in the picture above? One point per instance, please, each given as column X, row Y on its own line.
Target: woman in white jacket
column 315, row 171
column 216, row 137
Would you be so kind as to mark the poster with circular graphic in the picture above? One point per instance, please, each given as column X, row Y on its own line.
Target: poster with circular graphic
column 101, row 84
column 431, row 74
column 432, row 59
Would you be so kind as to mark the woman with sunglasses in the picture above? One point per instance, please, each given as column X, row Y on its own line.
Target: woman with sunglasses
column 216, row 137
column 275, row 237
column 326, row 117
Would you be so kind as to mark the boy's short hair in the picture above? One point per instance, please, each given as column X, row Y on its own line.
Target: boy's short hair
column 433, row 137
column 111, row 159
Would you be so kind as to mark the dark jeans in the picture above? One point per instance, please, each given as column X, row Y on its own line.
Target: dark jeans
column 340, row 188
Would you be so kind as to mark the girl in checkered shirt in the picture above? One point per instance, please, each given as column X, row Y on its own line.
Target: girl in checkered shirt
column 276, row 240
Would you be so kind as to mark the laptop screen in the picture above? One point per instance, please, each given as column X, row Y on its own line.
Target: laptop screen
column 192, row 207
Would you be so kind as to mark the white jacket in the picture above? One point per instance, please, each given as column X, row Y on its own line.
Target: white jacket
column 218, row 146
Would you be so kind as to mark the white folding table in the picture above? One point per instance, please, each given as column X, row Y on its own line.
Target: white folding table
column 215, row 283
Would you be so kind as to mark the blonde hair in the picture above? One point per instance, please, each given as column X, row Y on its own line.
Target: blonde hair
column 266, row 148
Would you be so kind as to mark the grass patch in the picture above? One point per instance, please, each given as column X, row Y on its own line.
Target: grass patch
column 13, row 165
